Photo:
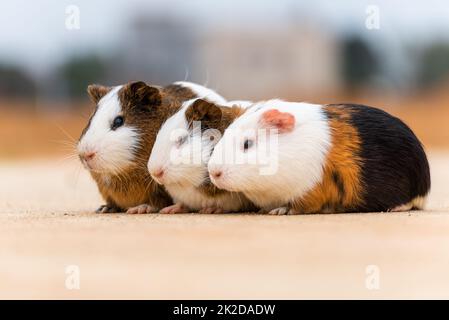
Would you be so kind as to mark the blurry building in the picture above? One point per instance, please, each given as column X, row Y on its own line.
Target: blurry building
column 295, row 60
column 157, row 49
column 289, row 60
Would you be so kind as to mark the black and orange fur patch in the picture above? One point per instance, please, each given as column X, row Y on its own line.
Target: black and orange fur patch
column 340, row 189
column 395, row 169
column 375, row 163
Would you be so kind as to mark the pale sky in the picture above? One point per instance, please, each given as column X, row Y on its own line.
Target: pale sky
column 33, row 33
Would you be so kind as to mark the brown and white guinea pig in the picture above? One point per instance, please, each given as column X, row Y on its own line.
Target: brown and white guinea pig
column 181, row 152
column 321, row 158
column 117, row 141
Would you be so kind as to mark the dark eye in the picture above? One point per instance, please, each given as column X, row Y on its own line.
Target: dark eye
column 118, row 122
column 247, row 144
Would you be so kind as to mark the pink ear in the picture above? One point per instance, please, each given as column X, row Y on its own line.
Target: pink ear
column 283, row 121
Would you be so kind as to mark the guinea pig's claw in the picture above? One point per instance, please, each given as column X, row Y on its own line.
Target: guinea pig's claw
column 141, row 209
column 210, row 210
column 176, row 208
column 280, row 211
column 107, row 209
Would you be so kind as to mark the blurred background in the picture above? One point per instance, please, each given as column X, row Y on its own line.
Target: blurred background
column 389, row 54
column 386, row 53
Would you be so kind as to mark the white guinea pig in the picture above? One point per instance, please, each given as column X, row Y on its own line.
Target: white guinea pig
column 304, row 158
column 181, row 152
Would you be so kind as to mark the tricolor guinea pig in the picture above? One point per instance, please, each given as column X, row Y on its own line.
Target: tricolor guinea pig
column 181, row 152
column 117, row 141
column 322, row 158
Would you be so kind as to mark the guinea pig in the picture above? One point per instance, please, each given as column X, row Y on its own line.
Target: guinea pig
column 181, row 152
column 321, row 159
column 117, row 141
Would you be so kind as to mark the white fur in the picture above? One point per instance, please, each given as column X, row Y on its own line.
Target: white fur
column 300, row 154
column 185, row 166
column 202, row 92
column 191, row 197
column 240, row 103
column 417, row 203
column 176, row 160
column 164, row 145
column 114, row 148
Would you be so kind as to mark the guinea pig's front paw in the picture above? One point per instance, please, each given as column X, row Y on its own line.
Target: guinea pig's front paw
column 176, row 208
column 211, row 210
column 280, row 211
column 107, row 209
column 141, row 209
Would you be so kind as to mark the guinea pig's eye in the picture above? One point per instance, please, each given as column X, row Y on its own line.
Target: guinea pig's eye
column 118, row 122
column 181, row 140
column 247, row 144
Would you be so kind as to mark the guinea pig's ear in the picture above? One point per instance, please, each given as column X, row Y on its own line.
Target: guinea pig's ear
column 96, row 92
column 206, row 112
column 275, row 119
column 144, row 94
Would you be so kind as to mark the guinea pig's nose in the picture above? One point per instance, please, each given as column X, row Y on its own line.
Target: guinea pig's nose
column 158, row 173
column 216, row 174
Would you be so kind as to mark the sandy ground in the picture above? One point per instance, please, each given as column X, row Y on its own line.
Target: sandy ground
column 47, row 227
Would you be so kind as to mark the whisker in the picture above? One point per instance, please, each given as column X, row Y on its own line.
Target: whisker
column 64, row 142
column 186, row 73
column 70, row 137
column 66, row 159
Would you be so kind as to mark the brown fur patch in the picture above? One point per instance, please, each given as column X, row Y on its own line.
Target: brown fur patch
column 96, row 92
column 204, row 111
column 340, row 189
column 145, row 108
column 229, row 114
column 212, row 116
